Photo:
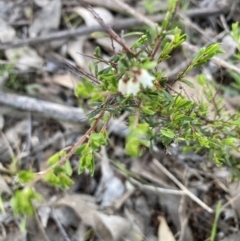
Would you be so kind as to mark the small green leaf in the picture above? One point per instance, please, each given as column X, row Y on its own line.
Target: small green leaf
column 229, row 141
column 56, row 157
column 26, row 176
column 132, row 146
column 51, row 178
column 148, row 110
column 21, row 201
column 187, row 118
column 203, row 140
column 202, row 80
column 168, row 133
column 97, row 52
column 86, row 162
column 187, row 82
column 80, row 149
column 235, row 122
column 68, row 168
column 65, row 181
column 149, row 65
column 97, row 139
column 86, row 150
column 167, row 95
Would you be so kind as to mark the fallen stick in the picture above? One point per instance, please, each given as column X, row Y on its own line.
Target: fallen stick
column 46, row 108
column 56, row 111
column 117, row 25
column 159, row 166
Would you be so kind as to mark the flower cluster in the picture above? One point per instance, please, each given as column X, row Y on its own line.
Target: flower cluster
column 128, row 86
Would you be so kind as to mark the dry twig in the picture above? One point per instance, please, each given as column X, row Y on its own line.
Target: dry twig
column 189, row 46
column 110, row 31
column 117, row 25
column 43, row 107
column 181, row 186
column 156, row 189
column 60, row 226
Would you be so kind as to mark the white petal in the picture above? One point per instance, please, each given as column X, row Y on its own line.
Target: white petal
column 122, row 87
column 133, row 87
column 145, row 79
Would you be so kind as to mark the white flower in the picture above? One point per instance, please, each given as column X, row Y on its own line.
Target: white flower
column 132, row 85
column 122, row 86
column 145, row 78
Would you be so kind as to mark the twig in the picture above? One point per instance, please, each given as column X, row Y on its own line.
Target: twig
column 134, row 13
column 181, row 186
column 123, row 198
column 43, row 107
column 60, row 227
column 72, row 150
column 82, row 72
column 117, row 25
column 57, row 111
column 189, row 46
column 110, row 31
column 152, row 177
column 156, row 189
column 36, row 221
column 231, row 201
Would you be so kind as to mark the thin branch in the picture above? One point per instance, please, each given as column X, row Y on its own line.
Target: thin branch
column 40, row 175
column 189, row 46
column 46, row 108
column 134, row 13
column 82, row 72
column 156, row 189
column 60, row 226
column 120, row 24
column 181, row 186
column 110, row 31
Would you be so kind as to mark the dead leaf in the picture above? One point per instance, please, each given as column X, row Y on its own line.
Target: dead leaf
column 232, row 237
column 5, row 9
column 47, row 19
column 229, row 46
column 171, row 203
column 110, row 188
column 89, row 18
column 15, row 236
column 75, row 48
column 234, row 189
column 164, row 232
column 109, row 4
column 108, row 228
column 24, row 58
column 108, row 44
column 8, row 33
column 66, row 80
column 42, row 3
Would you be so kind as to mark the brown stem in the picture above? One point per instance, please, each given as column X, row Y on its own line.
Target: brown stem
column 110, row 31
column 61, row 162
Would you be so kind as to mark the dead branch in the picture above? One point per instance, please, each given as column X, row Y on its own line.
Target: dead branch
column 110, row 31
column 46, row 108
column 116, row 25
